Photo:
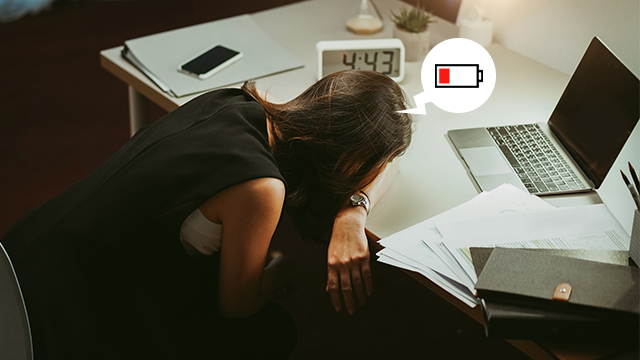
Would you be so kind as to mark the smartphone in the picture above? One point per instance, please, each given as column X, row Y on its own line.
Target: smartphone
column 205, row 64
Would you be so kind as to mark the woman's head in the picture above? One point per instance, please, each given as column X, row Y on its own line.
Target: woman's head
column 334, row 139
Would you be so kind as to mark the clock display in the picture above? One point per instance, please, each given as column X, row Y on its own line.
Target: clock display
column 385, row 61
column 385, row 56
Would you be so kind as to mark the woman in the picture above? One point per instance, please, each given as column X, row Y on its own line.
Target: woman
column 161, row 251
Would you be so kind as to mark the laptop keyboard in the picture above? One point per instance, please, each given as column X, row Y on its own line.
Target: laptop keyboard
column 534, row 159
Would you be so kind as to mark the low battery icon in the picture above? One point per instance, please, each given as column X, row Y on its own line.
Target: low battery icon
column 458, row 76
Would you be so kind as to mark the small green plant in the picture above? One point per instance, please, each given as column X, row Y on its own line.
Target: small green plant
column 415, row 20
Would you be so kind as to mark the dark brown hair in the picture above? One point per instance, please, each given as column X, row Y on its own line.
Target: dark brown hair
column 333, row 140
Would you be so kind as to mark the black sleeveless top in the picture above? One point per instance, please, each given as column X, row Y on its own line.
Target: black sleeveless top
column 101, row 265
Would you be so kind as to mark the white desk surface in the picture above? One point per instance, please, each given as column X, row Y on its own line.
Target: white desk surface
column 431, row 179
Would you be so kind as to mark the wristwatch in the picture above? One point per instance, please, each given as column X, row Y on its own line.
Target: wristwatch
column 361, row 199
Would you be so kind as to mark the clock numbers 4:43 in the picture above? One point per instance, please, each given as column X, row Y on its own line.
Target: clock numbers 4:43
column 385, row 65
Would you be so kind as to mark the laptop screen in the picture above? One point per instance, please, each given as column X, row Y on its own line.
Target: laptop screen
column 597, row 111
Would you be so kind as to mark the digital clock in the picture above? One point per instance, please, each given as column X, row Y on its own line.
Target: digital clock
column 385, row 56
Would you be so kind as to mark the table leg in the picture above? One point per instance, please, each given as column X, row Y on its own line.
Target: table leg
column 138, row 110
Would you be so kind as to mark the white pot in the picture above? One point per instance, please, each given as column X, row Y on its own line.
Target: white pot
column 416, row 45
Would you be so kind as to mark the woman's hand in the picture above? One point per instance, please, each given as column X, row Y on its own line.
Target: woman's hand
column 348, row 260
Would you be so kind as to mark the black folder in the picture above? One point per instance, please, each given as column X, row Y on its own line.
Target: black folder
column 526, row 319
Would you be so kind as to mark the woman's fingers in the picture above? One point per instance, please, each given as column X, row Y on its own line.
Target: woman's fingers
column 367, row 277
column 354, row 283
column 357, row 284
column 347, row 291
column 339, row 283
column 333, row 287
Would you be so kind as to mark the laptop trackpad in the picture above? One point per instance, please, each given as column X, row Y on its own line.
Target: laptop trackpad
column 487, row 160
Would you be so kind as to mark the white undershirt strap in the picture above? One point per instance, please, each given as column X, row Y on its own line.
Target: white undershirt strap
column 203, row 234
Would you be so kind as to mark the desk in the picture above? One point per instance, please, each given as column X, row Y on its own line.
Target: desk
column 525, row 91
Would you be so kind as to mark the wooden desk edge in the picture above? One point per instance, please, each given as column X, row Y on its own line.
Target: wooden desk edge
column 528, row 347
column 151, row 93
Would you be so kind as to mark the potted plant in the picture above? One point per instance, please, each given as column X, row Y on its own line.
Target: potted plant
column 412, row 27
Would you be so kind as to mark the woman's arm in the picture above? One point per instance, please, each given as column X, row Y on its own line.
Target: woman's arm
column 249, row 213
column 348, row 269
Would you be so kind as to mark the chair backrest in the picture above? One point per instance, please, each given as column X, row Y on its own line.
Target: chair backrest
column 15, row 333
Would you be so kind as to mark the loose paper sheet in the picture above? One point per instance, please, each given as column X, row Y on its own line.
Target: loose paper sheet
column 433, row 263
column 590, row 227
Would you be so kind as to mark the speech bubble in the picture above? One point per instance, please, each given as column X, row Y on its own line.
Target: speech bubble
column 458, row 76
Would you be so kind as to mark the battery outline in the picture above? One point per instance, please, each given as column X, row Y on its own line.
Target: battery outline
column 478, row 79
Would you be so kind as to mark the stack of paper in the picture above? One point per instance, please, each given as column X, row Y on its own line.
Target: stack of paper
column 438, row 248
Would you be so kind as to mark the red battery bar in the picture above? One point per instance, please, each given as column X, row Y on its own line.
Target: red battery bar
column 458, row 76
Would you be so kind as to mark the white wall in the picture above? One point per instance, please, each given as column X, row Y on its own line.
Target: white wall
column 557, row 32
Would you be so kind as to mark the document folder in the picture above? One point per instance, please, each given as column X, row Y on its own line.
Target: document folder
column 508, row 321
column 159, row 56
column 531, row 278
column 513, row 321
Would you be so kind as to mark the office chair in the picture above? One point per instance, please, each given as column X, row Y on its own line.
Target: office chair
column 15, row 333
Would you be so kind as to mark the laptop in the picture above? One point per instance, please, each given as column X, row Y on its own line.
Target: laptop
column 574, row 150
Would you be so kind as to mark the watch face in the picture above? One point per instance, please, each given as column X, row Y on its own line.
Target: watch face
column 357, row 199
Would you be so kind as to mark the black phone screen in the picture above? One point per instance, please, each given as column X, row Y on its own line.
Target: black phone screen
column 209, row 60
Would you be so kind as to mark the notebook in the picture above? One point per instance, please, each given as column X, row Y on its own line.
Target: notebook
column 560, row 283
column 509, row 321
column 158, row 56
column 571, row 152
